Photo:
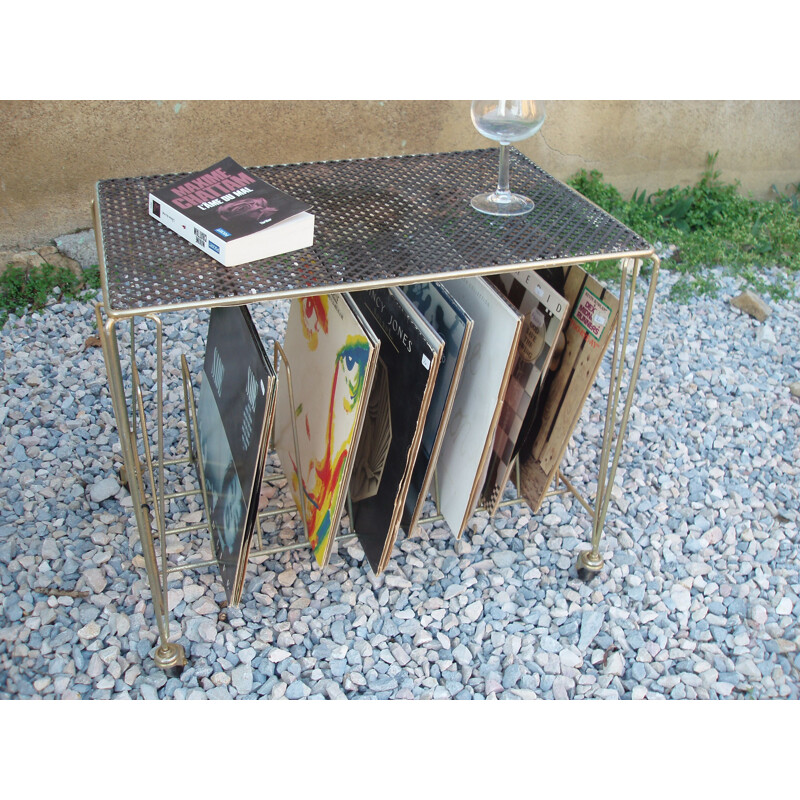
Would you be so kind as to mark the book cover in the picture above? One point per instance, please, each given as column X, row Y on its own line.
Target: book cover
column 592, row 319
column 462, row 463
column 232, row 215
column 544, row 312
column 234, row 416
column 331, row 360
column 454, row 325
column 408, row 364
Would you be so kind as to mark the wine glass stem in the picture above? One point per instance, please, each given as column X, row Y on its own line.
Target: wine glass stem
column 502, row 180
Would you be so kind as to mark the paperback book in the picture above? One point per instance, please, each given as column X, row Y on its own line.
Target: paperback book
column 401, row 395
column 454, row 325
column 232, row 215
column 544, row 312
column 593, row 311
column 329, row 365
column 234, row 416
column 463, row 459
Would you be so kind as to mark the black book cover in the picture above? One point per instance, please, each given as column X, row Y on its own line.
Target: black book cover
column 234, row 414
column 228, row 200
column 401, row 392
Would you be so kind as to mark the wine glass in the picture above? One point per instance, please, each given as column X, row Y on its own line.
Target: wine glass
column 505, row 121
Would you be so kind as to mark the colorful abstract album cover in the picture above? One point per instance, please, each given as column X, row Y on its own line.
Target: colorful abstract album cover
column 331, row 359
column 591, row 322
column 409, row 359
column 463, row 458
column 235, row 411
column 454, row 325
column 544, row 312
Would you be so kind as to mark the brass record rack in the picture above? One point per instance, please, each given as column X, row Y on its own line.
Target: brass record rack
column 378, row 222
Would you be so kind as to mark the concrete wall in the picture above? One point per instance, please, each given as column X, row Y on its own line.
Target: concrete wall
column 53, row 152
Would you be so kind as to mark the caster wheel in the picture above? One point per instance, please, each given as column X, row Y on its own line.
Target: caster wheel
column 174, row 672
column 586, row 574
column 171, row 657
column 588, row 565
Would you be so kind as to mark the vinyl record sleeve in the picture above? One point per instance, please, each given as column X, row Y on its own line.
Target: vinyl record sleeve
column 463, row 459
column 545, row 313
column 331, row 359
column 589, row 329
column 454, row 325
column 234, row 415
column 408, row 364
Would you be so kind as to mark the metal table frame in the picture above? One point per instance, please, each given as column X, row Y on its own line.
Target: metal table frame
column 379, row 222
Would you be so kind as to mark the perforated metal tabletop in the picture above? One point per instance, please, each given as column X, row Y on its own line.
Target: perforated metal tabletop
column 378, row 221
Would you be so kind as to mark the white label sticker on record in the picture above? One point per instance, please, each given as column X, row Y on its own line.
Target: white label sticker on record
column 426, row 362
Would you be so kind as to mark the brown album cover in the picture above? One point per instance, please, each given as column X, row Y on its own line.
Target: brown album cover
column 591, row 324
column 545, row 312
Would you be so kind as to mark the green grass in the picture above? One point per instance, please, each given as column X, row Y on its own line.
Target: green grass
column 23, row 290
column 711, row 224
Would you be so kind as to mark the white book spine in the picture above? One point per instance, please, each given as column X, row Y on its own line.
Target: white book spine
column 200, row 237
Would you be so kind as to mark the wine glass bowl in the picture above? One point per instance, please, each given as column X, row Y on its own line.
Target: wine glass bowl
column 505, row 121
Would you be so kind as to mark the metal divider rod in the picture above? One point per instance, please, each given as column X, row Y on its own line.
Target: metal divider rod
column 171, row 462
column 160, row 585
column 301, row 484
column 578, row 496
column 277, row 511
column 349, row 502
column 195, row 526
column 191, row 423
column 259, row 534
column 183, row 493
column 186, row 379
column 212, row 562
column 284, row 548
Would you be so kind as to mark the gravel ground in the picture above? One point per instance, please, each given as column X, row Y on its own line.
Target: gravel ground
column 699, row 597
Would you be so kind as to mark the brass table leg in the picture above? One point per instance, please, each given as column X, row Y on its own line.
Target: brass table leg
column 590, row 562
column 168, row 655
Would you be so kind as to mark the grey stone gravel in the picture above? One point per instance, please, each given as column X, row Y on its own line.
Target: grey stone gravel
column 698, row 598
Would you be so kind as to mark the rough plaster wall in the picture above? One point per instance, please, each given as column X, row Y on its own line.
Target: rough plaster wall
column 53, row 152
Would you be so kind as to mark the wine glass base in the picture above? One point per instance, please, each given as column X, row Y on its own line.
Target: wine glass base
column 502, row 205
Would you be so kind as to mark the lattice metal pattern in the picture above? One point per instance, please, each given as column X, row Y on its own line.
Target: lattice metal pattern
column 379, row 219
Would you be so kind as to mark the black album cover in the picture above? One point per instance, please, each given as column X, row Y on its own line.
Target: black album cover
column 234, row 416
column 454, row 325
column 410, row 353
